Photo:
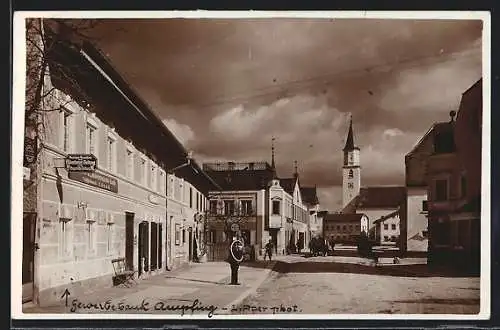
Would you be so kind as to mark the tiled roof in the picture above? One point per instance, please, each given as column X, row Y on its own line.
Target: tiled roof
column 343, row 217
column 309, row 195
column 242, row 180
column 377, row 197
column 387, row 216
column 288, row 184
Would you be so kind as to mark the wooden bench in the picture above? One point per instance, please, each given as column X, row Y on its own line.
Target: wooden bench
column 122, row 274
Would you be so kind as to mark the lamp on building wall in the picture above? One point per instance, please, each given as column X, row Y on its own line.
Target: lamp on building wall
column 188, row 162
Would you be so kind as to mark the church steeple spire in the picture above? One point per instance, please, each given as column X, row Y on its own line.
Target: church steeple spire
column 349, row 143
column 273, row 164
column 296, row 170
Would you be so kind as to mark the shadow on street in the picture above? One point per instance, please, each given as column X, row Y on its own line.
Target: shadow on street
column 418, row 270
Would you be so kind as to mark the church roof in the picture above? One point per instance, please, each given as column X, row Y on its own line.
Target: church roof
column 309, row 195
column 349, row 143
column 343, row 217
column 377, row 197
column 387, row 216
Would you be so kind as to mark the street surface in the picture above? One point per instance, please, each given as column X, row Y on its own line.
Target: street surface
column 350, row 285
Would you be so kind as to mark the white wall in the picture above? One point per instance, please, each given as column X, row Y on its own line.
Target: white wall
column 417, row 222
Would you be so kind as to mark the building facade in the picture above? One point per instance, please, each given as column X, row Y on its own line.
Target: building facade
column 343, row 228
column 102, row 189
column 253, row 197
column 454, row 208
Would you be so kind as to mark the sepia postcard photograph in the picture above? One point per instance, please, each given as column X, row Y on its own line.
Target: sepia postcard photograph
column 265, row 165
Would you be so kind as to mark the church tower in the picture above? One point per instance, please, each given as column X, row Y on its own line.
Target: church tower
column 351, row 171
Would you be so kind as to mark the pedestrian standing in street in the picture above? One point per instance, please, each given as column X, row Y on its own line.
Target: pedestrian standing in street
column 235, row 256
column 268, row 250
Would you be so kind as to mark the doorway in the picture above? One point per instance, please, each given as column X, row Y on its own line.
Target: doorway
column 190, row 240
column 28, row 272
column 274, row 239
column 160, row 245
column 143, row 249
column 154, row 246
column 129, row 240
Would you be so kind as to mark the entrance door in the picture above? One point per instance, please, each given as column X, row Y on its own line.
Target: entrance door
column 29, row 226
column 274, row 239
column 129, row 240
column 160, row 245
column 143, row 249
column 154, row 245
column 190, row 240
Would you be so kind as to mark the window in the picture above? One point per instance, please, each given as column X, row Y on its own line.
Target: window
column 393, row 226
column 386, row 226
column 161, row 182
column 66, row 234
column 91, row 237
column 212, row 236
column 67, row 131
column 441, row 190
column 350, row 227
column 463, row 186
column 228, row 207
column 344, row 228
column 276, row 207
column 91, row 143
column 183, row 236
column 177, row 234
column 152, row 179
column 246, row 207
column 213, row 207
column 190, row 197
column 338, row 227
column 142, row 171
column 110, row 237
column 111, row 153
column 350, row 185
column 357, row 227
column 386, row 238
column 130, row 164
column 351, row 174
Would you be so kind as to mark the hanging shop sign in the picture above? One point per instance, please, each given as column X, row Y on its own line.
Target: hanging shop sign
column 29, row 150
column 81, row 163
column 95, row 179
column 235, row 227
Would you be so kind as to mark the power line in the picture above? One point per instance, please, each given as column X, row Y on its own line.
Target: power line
column 326, row 79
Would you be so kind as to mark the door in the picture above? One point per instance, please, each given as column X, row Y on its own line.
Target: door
column 143, row 249
column 274, row 239
column 154, row 245
column 160, row 245
column 129, row 240
column 28, row 272
column 190, row 240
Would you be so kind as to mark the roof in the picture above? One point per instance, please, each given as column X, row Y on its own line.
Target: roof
column 341, row 217
column 387, row 216
column 377, row 197
column 242, row 179
column 288, row 184
column 436, row 129
column 309, row 195
column 349, row 143
column 99, row 83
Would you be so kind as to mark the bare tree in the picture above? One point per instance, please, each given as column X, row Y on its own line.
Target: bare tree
column 43, row 38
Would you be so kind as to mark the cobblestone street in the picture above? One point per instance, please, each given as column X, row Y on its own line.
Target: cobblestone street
column 345, row 285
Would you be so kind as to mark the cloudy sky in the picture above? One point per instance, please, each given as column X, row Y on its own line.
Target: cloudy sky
column 226, row 87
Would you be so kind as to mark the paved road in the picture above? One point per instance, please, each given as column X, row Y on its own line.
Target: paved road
column 341, row 285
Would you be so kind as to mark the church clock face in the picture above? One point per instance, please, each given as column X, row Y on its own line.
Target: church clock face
column 351, row 159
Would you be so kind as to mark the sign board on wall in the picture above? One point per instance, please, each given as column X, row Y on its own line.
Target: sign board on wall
column 96, row 180
column 81, row 163
column 30, row 150
column 275, row 222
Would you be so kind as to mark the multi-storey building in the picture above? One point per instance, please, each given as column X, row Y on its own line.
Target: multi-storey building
column 120, row 204
column 343, row 228
column 263, row 206
column 454, row 208
column 315, row 224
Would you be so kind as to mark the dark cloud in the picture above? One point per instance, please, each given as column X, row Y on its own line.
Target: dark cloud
column 226, row 87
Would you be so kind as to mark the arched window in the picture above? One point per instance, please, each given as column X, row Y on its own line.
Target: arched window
column 351, row 174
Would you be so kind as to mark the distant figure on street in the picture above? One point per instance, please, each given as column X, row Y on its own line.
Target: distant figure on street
column 300, row 245
column 332, row 244
column 268, row 250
